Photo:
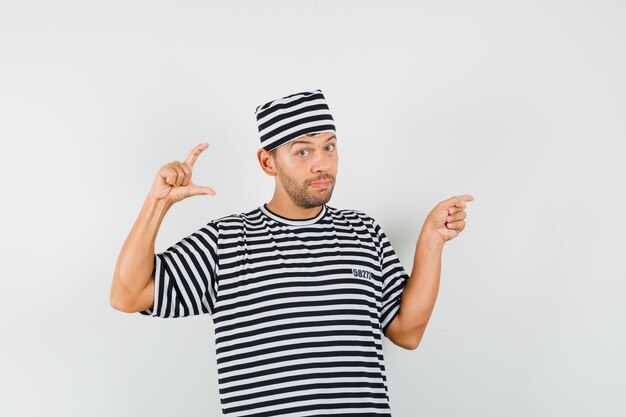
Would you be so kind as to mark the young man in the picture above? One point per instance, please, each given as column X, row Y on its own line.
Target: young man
column 300, row 292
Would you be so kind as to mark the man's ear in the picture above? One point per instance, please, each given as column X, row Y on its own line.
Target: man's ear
column 267, row 162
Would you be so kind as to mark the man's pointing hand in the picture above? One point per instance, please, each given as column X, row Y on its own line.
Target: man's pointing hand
column 173, row 182
column 447, row 220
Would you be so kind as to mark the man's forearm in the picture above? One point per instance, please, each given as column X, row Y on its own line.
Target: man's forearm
column 135, row 262
column 444, row 222
column 420, row 293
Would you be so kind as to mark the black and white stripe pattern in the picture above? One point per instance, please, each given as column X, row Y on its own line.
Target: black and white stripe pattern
column 287, row 118
column 299, row 308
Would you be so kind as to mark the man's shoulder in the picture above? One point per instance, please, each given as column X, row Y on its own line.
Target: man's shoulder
column 354, row 213
column 237, row 218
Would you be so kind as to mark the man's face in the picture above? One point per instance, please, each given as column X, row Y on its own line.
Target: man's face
column 303, row 162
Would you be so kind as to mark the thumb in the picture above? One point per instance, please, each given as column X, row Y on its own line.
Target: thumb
column 200, row 190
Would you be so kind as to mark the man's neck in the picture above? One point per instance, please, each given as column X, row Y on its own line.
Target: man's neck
column 292, row 211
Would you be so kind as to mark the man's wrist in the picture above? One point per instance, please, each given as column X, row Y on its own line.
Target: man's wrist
column 430, row 240
column 157, row 205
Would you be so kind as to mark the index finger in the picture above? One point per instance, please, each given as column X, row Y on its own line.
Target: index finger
column 464, row 198
column 459, row 203
column 195, row 152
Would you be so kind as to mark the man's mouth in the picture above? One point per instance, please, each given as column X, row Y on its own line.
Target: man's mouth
column 320, row 184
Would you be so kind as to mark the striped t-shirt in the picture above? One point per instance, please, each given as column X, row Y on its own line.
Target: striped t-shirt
column 299, row 307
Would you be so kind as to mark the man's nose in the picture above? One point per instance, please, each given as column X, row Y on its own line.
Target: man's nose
column 322, row 162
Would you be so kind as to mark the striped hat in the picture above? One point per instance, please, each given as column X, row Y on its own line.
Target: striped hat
column 287, row 118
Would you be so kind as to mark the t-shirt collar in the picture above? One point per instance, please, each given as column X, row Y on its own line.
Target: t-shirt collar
column 292, row 222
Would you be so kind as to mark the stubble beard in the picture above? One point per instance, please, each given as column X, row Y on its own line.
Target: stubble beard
column 301, row 194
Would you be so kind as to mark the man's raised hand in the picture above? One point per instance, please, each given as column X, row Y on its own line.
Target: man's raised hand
column 447, row 220
column 173, row 182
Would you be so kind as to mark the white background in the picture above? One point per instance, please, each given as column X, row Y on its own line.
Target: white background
column 521, row 104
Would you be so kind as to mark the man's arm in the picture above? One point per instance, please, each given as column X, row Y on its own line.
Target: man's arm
column 419, row 295
column 132, row 288
column 133, row 284
column 444, row 222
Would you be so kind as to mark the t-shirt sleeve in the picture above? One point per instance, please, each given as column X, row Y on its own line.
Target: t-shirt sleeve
column 186, row 275
column 394, row 278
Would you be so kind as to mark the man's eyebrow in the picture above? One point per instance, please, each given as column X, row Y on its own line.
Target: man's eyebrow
column 296, row 142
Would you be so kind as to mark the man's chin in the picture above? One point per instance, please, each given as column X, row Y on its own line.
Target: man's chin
column 323, row 201
column 316, row 202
